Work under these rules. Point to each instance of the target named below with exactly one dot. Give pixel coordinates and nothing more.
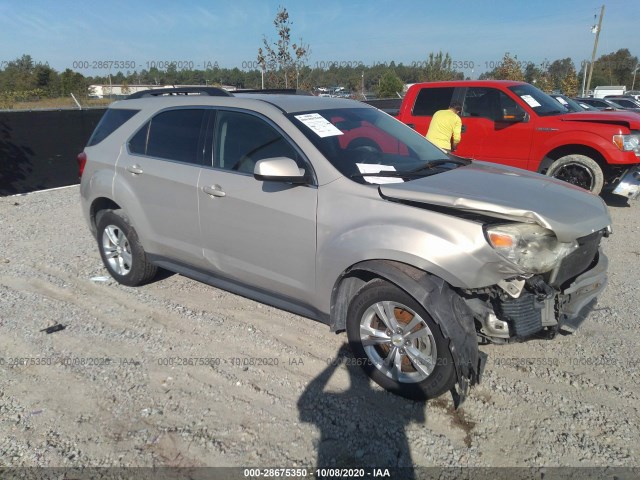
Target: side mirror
(279, 169)
(513, 117)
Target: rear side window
(173, 135)
(430, 100)
(112, 119)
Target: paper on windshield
(320, 125)
(533, 103)
(561, 100)
(369, 168)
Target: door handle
(135, 169)
(214, 191)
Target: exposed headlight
(533, 248)
(628, 143)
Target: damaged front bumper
(629, 185)
(513, 314)
(581, 293)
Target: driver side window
(242, 139)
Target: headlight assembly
(533, 248)
(628, 143)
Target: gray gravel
(177, 373)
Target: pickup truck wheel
(578, 170)
(121, 251)
(398, 344)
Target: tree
(615, 68)
(569, 84)
(390, 85)
(558, 70)
(439, 67)
(532, 73)
(282, 60)
(544, 83)
(509, 69)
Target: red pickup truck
(516, 124)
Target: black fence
(38, 149)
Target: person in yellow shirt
(446, 127)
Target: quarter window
(172, 135)
(430, 100)
(112, 119)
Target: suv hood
(630, 119)
(508, 193)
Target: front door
(256, 232)
(487, 136)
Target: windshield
(540, 102)
(369, 146)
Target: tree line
(284, 63)
(23, 79)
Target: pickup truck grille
(579, 260)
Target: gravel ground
(177, 373)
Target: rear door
(428, 101)
(158, 181)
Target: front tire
(398, 344)
(578, 170)
(121, 251)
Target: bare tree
(281, 61)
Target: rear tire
(398, 344)
(121, 251)
(578, 170)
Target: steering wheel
(366, 152)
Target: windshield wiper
(394, 174)
(439, 163)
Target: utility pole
(595, 47)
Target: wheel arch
(572, 149)
(98, 204)
(441, 301)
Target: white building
(111, 91)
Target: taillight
(82, 161)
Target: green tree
(281, 61)
(390, 85)
(532, 73)
(614, 68)
(569, 84)
(510, 69)
(558, 70)
(439, 66)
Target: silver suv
(334, 210)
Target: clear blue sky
(229, 32)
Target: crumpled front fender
(447, 309)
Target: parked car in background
(414, 253)
(599, 103)
(628, 103)
(633, 93)
(570, 104)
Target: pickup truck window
(430, 100)
(489, 103)
(540, 102)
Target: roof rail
(276, 91)
(157, 92)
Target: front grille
(579, 260)
(523, 314)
